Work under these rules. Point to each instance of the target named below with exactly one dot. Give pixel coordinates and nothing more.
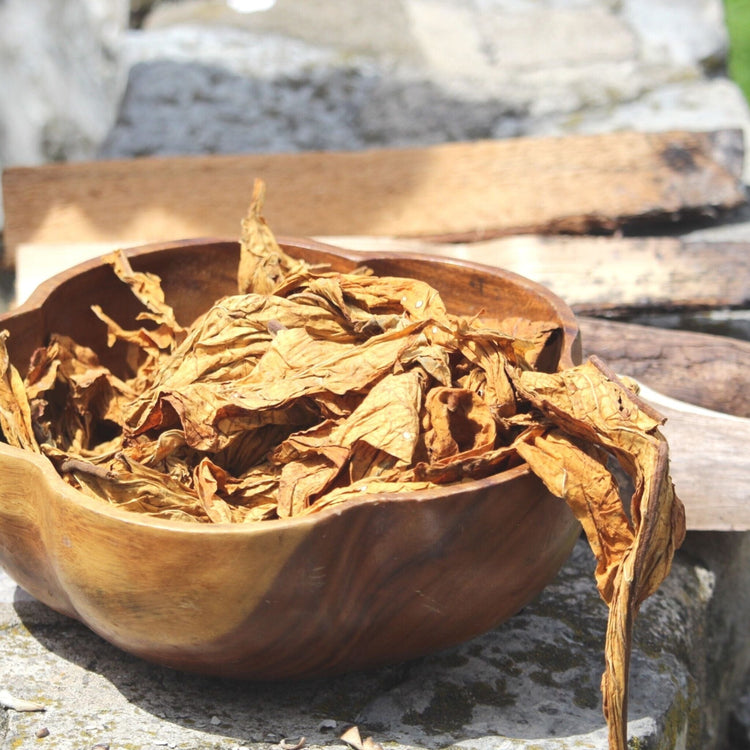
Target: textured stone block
(531, 683)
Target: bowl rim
(571, 332)
(55, 483)
(569, 351)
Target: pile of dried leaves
(310, 388)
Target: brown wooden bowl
(355, 586)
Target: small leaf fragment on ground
(19, 704)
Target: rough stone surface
(531, 683)
(205, 78)
(726, 638)
(739, 722)
(61, 77)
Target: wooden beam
(704, 370)
(699, 383)
(455, 191)
(598, 275)
(594, 275)
(709, 464)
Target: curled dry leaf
(595, 415)
(147, 288)
(19, 704)
(15, 410)
(353, 738)
(311, 388)
(263, 264)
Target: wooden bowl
(359, 585)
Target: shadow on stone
(535, 677)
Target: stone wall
(203, 77)
(62, 77)
(329, 75)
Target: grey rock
(724, 669)
(533, 682)
(739, 722)
(61, 78)
(692, 32)
(206, 79)
(371, 28)
(239, 51)
(173, 107)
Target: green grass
(738, 23)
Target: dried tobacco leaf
(387, 420)
(457, 420)
(263, 264)
(353, 738)
(596, 414)
(312, 388)
(147, 289)
(68, 388)
(486, 351)
(15, 410)
(208, 480)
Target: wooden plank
(708, 371)
(699, 383)
(35, 264)
(594, 275)
(709, 463)
(456, 191)
(597, 275)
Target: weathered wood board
(709, 464)
(597, 275)
(700, 384)
(709, 371)
(594, 275)
(456, 190)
